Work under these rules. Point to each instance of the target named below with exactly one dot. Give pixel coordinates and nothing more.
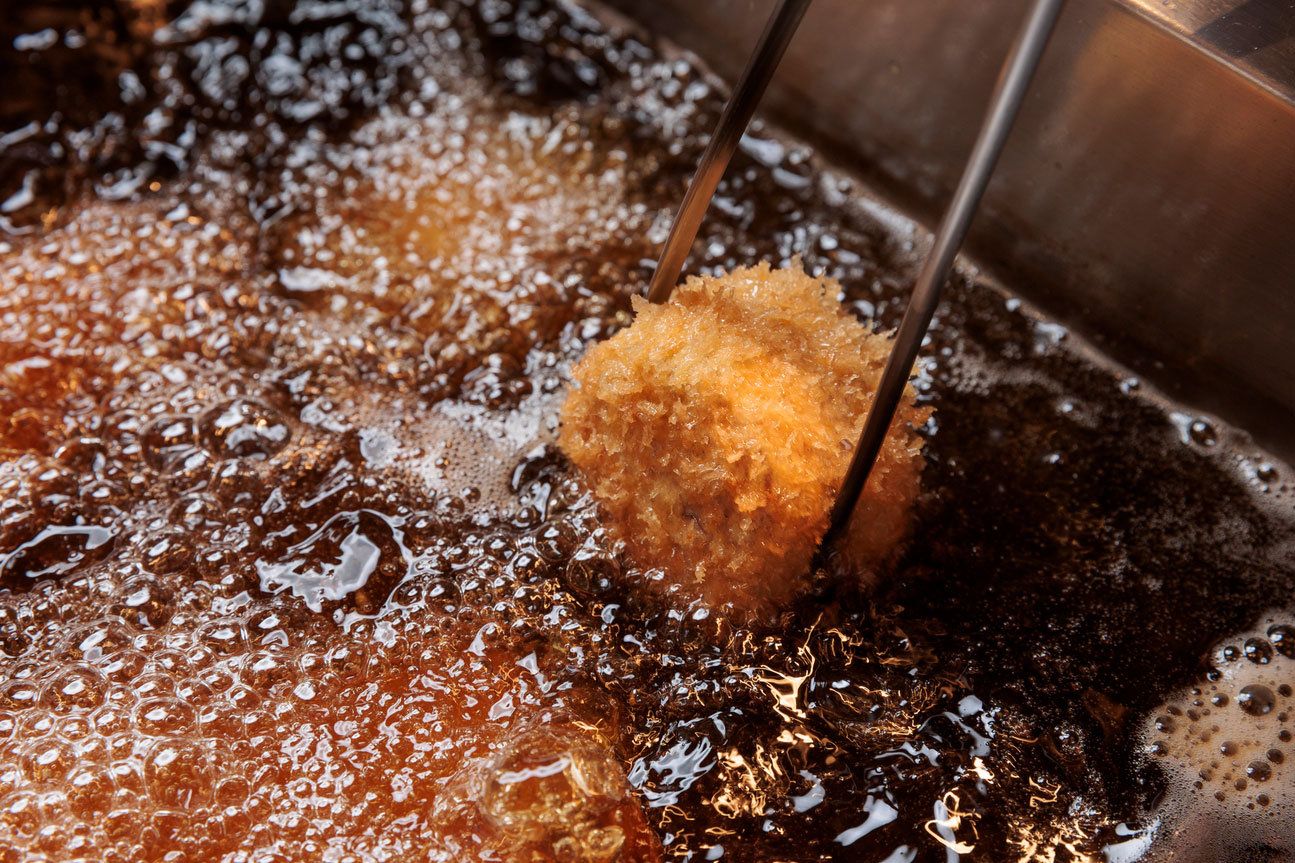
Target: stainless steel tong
(1014, 80)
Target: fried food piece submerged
(716, 431)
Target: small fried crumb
(716, 430)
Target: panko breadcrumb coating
(717, 428)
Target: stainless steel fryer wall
(1147, 195)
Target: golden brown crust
(716, 429)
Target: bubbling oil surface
(290, 567)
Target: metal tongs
(1013, 81)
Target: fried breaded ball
(716, 430)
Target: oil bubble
(1258, 651)
(168, 442)
(76, 687)
(1256, 699)
(244, 429)
(179, 773)
(1282, 637)
(1203, 433)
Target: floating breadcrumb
(717, 428)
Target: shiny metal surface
(1018, 71)
(723, 142)
(1257, 37)
(1147, 198)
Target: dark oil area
(290, 567)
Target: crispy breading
(717, 428)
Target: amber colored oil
(292, 569)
